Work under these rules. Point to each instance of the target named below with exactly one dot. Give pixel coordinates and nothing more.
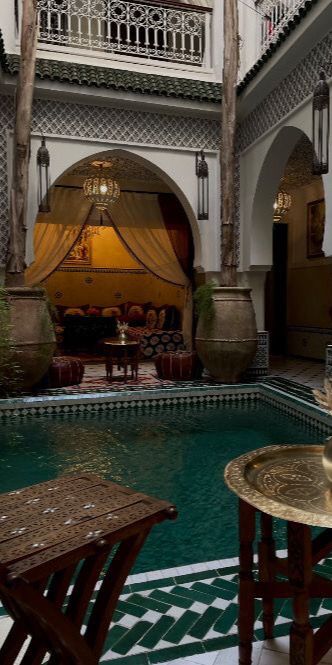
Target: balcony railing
(275, 16)
(167, 31)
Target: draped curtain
(53, 239)
(179, 230)
(139, 222)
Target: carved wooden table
(287, 482)
(123, 353)
(56, 539)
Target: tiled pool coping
(288, 397)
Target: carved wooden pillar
(300, 576)
(246, 583)
(266, 552)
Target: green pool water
(176, 453)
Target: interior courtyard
(165, 332)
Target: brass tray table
(57, 539)
(286, 482)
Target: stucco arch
(267, 186)
(158, 162)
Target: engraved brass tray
(284, 481)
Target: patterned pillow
(136, 312)
(74, 311)
(94, 311)
(168, 318)
(151, 319)
(111, 311)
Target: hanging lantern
(321, 126)
(100, 188)
(43, 164)
(202, 172)
(281, 206)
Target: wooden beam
(227, 152)
(21, 154)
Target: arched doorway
(297, 295)
(95, 266)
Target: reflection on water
(175, 453)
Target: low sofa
(156, 328)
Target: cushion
(111, 311)
(62, 309)
(151, 318)
(178, 365)
(93, 311)
(135, 312)
(168, 318)
(74, 311)
(65, 371)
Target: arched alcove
(173, 172)
(266, 189)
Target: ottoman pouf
(65, 371)
(178, 365)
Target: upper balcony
(165, 32)
(275, 18)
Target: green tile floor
(187, 611)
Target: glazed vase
(32, 332)
(226, 342)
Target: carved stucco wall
(100, 123)
(286, 96)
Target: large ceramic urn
(32, 332)
(226, 342)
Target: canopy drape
(53, 239)
(138, 220)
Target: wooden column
(21, 146)
(227, 152)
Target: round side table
(122, 353)
(286, 482)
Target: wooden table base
(57, 540)
(302, 584)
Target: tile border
(110, 400)
(277, 396)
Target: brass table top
(285, 481)
(115, 341)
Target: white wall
(261, 167)
(249, 31)
(175, 166)
(7, 25)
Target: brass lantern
(281, 206)
(321, 126)
(43, 164)
(99, 187)
(202, 172)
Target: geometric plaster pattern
(298, 171)
(121, 169)
(290, 92)
(101, 123)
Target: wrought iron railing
(275, 17)
(162, 31)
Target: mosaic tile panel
(260, 365)
(328, 362)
